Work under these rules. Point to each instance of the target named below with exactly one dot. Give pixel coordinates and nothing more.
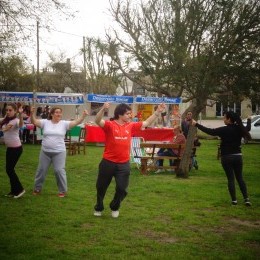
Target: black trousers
(233, 165)
(12, 157)
(108, 170)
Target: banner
(11, 97)
(43, 98)
(158, 100)
(59, 98)
(110, 99)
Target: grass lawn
(162, 217)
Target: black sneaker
(234, 202)
(9, 195)
(247, 202)
(19, 195)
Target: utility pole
(84, 63)
(38, 65)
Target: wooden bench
(152, 156)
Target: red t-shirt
(118, 140)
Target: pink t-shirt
(11, 137)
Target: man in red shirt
(116, 156)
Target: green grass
(162, 217)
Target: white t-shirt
(53, 135)
(11, 137)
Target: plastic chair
(136, 151)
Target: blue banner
(16, 96)
(158, 100)
(42, 98)
(59, 98)
(110, 99)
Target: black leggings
(233, 165)
(108, 170)
(12, 156)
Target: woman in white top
(10, 126)
(53, 148)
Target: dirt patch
(161, 237)
(246, 223)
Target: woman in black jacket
(230, 147)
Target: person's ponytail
(239, 123)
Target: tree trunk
(184, 168)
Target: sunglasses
(10, 110)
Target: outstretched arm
(34, 121)
(79, 120)
(20, 110)
(155, 115)
(99, 117)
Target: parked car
(255, 128)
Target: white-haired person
(178, 138)
(53, 150)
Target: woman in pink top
(10, 126)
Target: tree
(15, 75)
(100, 69)
(196, 49)
(18, 19)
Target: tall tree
(196, 49)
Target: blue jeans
(165, 152)
(233, 165)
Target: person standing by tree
(185, 124)
(230, 147)
(116, 156)
(10, 126)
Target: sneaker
(247, 202)
(36, 192)
(97, 213)
(9, 195)
(115, 213)
(19, 195)
(61, 194)
(159, 170)
(234, 202)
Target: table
(95, 134)
(155, 134)
(153, 156)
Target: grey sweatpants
(58, 161)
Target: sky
(67, 36)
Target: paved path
(212, 123)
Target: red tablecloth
(155, 134)
(95, 134)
